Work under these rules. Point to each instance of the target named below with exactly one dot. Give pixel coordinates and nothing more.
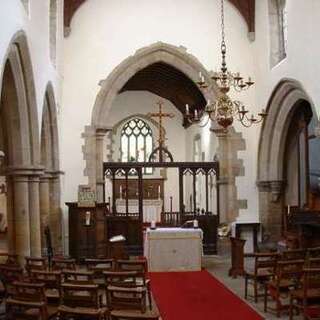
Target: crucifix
(161, 139)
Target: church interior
(159, 159)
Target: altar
(152, 208)
(173, 249)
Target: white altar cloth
(151, 208)
(173, 249)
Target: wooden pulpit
(237, 257)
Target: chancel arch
(166, 63)
(50, 181)
(20, 145)
(283, 159)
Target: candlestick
(159, 192)
(120, 191)
(187, 109)
(288, 209)
(195, 113)
(88, 215)
(195, 224)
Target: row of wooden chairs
(279, 274)
(70, 284)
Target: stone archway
(20, 142)
(177, 57)
(50, 210)
(281, 106)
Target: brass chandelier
(224, 110)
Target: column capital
(25, 171)
(274, 186)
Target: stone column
(271, 207)
(55, 215)
(34, 207)
(10, 216)
(230, 167)
(100, 134)
(21, 216)
(44, 206)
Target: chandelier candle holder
(224, 110)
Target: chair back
(291, 270)
(77, 277)
(76, 295)
(294, 254)
(126, 298)
(26, 291)
(121, 278)
(313, 262)
(313, 252)
(51, 279)
(96, 264)
(311, 280)
(267, 260)
(63, 264)
(35, 263)
(140, 266)
(9, 274)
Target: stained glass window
(136, 142)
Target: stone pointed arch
(19, 123)
(280, 108)
(19, 60)
(49, 131)
(284, 101)
(174, 56)
(177, 57)
(50, 191)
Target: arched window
(278, 31)
(136, 142)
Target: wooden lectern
(237, 257)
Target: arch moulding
(177, 57)
(282, 104)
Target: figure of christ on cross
(161, 139)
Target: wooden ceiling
(246, 8)
(169, 83)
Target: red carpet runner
(197, 296)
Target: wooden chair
(126, 298)
(98, 266)
(10, 274)
(78, 277)
(140, 266)
(294, 254)
(103, 263)
(264, 269)
(121, 278)
(81, 302)
(313, 252)
(307, 298)
(63, 264)
(35, 263)
(287, 277)
(27, 302)
(52, 282)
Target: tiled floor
(219, 266)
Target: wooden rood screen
(131, 225)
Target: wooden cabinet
(87, 237)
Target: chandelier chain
(223, 43)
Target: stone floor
(219, 266)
